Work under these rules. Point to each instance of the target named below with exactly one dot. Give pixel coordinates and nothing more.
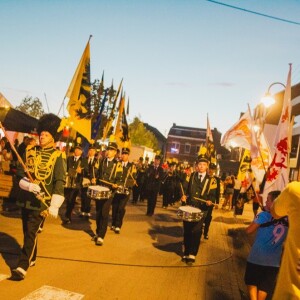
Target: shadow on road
(9, 249)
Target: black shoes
(17, 274)
(189, 260)
(67, 221)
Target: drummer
(200, 186)
(91, 165)
(121, 197)
(109, 175)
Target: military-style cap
(125, 150)
(112, 146)
(78, 147)
(157, 157)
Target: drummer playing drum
(201, 194)
(110, 175)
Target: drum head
(189, 209)
(99, 188)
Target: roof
(190, 132)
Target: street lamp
(262, 109)
(267, 100)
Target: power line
(255, 12)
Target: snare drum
(189, 213)
(70, 182)
(98, 192)
(122, 190)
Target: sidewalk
(143, 262)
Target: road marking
(47, 292)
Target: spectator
(264, 259)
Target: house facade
(183, 143)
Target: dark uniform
(90, 171)
(110, 170)
(47, 167)
(170, 187)
(137, 189)
(73, 183)
(155, 175)
(123, 193)
(208, 217)
(203, 187)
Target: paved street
(143, 262)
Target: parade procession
(97, 204)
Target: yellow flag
(79, 94)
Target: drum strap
(112, 171)
(204, 187)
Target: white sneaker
(99, 241)
(117, 230)
(88, 215)
(112, 228)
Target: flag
(122, 131)
(278, 172)
(112, 113)
(97, 123)
(259, 150)
(244, 170)
(79, 95)
(239, 135)
(211, 152)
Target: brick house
(183, 143)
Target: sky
(180, 60)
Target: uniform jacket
(48, 168)
(205, 189)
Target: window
(187, 148)
(175, 146)
(197, 149)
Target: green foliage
(32, 107)
(140, 136)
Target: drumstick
(181, 188)
(203, 200)
(107, 182)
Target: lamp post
(262, 109)
(268, 100)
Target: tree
(140, 136)
(31, 106)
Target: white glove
(26, 185)
(55, 204)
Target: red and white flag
(278, 173)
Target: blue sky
(180, 60)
